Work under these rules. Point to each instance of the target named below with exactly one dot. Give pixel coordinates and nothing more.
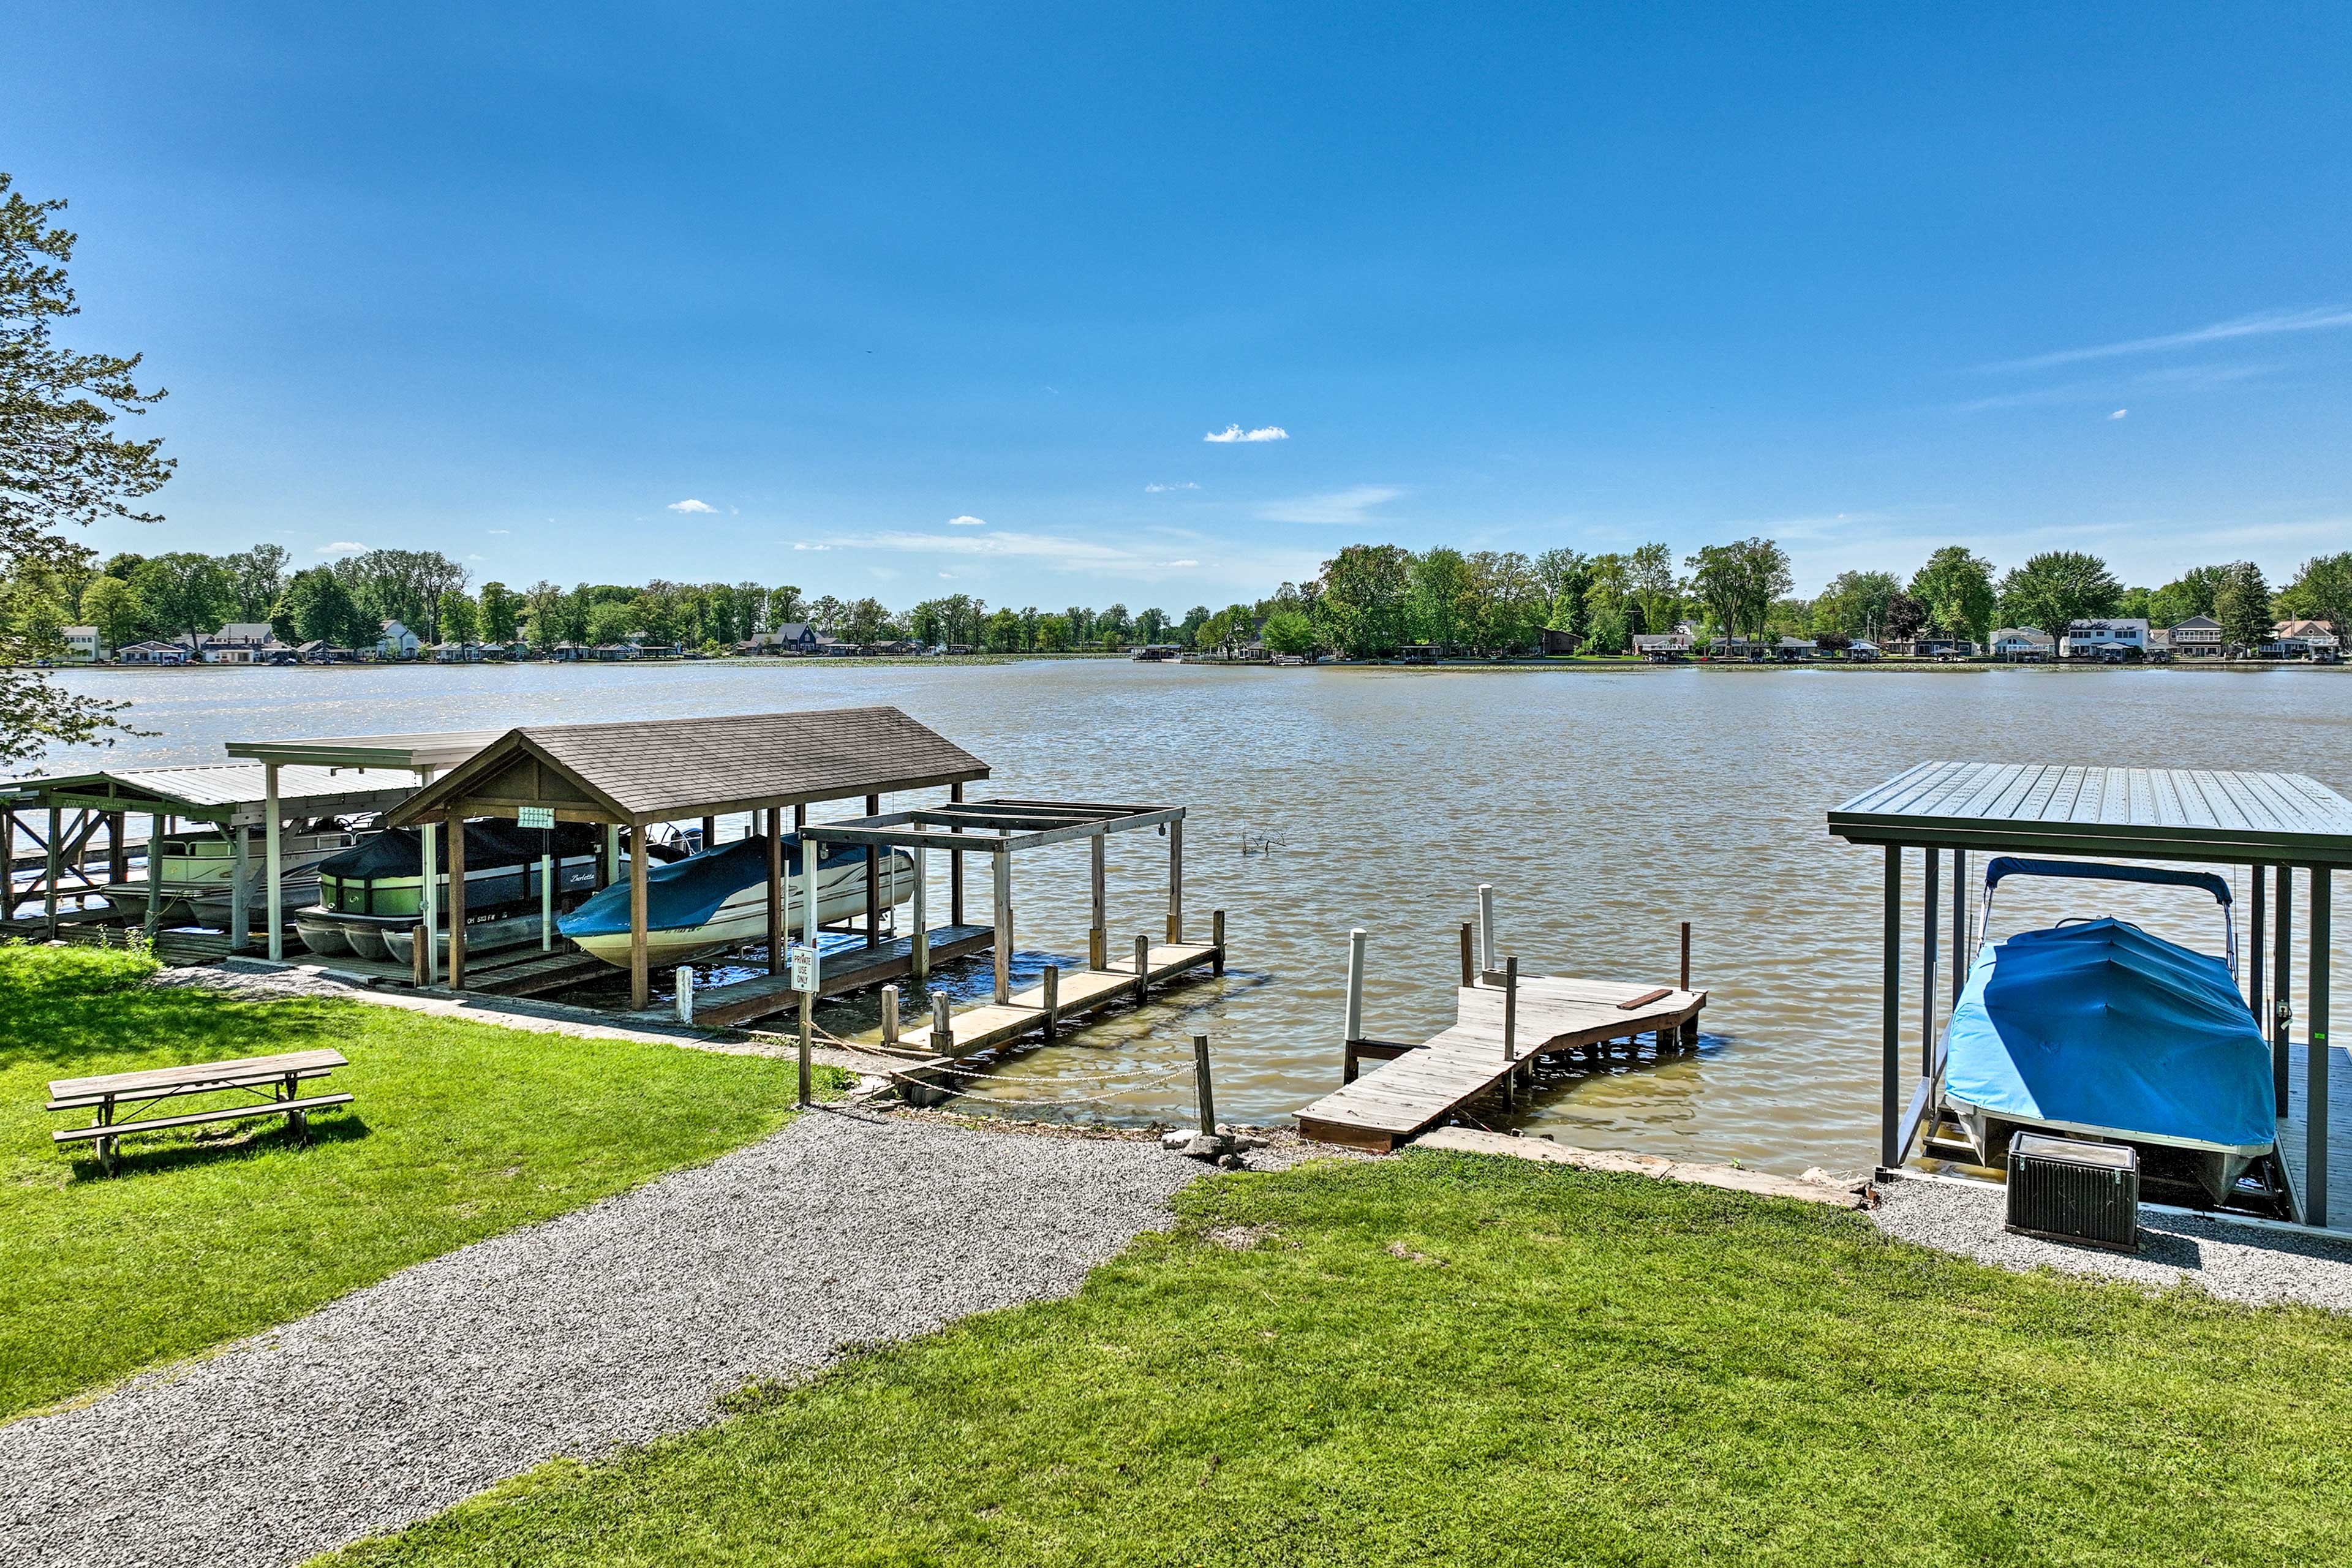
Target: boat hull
(743, 917)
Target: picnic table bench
(279, 1079)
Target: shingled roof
(656, 770)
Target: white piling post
(889, 1015)
(1486, 928)
(547, 903)
(943, 1025)
(686, 994)
(1356, 984)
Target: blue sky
(1870, 281)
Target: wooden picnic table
(278, 1079)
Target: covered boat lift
(635, 774)
(2269, 823)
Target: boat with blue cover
(2095, 1028)
(718, 900)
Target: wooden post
(640, 980)
(1511, 1008)
(1098, 924)
(711, 833)
(1890, 1012)
(457, 904)
(1959, 924)
(684, 983)
(118, 853)
(1685, 984)
(1927, 956)
(1001, 884)
(154, 874)
(775, 891)
(240, 881)
(273, 858)
(889, 1015)
(1175, 880)
(1355, 988)
(1469, 962)
(2315, 1063)
(919, 949)
(1217, 940)
(873, 880)
(1050, 984)
(2282, 985)
(428, 897)
(1201, 1086)
(418, 943)
(53, 867)
(955, 865)
(1486, 928)
(2254, 951)
(943, 1025)
(1142, 968)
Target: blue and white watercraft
(718, 900)
(2093, 1029)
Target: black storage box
(2070, 1191)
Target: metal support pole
(873, 880)
(1890, 1012)
(273, 862)
(1927, 957)
(810, 912)
(1486, 928)
(2315, 1061)
(1355, 986)
(919, 953)
(1175, 880)
(547, 903)
(2282, 985)
(775, 891)
(428, 896)
(1001, 883)
(1201, 1084)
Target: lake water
(1604, 806)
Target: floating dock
(1493, 1047)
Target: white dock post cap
(1485, 927)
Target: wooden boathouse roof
(2160, 814)
(663, 770)
(232, 794)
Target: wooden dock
(2293, 1133)
(1080, 992)
(844, 969)
(1417, 1087)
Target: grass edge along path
(1462, 1358)
(459, 1131)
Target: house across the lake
(2313, 640)
(2104, 640)
(1659, 647)
(2198, 636)
(2021, 644)
(84, 646)
(792, 637)
(397, 641)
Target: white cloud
(2119, 413)
(343, 547)
(500, 530)
(966, 520)
(690, 504)
(1180, 564)
(469, 558)
(1348, 507)
(1236, 432)
(948, 576)
(804, 544)
(2262, 324)
(1155, 489)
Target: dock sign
(804, 964)
(535, 817)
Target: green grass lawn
(458, 1131)
(1466, 1359)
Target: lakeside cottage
(397, 641)
(2107, 639)
(2313, 640)
(2022, 645)
(84, 646)
(2198, 636)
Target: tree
(2242, 604)
(114, 607)
(1956, 585)
(2136, 605)
(1189, 633)
(61, 461)
(460, 618)
(1505, 606)
(2322, 591)
(501, 613)
(1649, 580)
(1855, 604)
(1440, 587)
(1005, 632)
(318, 607)
(1609, 609)
(1054, 634)
(256, 576)
(2056, 588)
(1290, 631)
(1563, 575)
(1150, 625)
(612, 621)
(2189, 594)
(1906, 617)
(1362, 611)
(38, 622)
(1738, 581)
(188, 593)
(866, 619)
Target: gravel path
(611, 1324)
(2237, 1262)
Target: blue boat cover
(2100, 1026)
(686, 893)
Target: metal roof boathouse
(2273, 823)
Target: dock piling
(919, 953)
(1485, 926)
(1217, 941)
(1003, 885)
(1685, 983)
(418, 975)
(889, 1015)
(1051, 982)
(1469, 969)
(1201, 1084)
(686, 994)
(1356, 940)
(1142, 968)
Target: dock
(2295, 1130)
(1077, 993)
(850, 968)
(1492, 1048)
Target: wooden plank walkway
(844, 969)
(2293, 1131)
(1425, 1084)
(1082, 991)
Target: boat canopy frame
(2269, 823)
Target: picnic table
(277, 1080)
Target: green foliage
(1290, 631)
(1737, 582)
(1956, 585)
(2190, 594)
(256, 576)
(1362, 611)
(1438, 596)
(1462, 1359)
(459, 1131)
(2242, 604)
(115, 608)
(460, 618)
(1856, 604)
(2321, 591)
(502, 614)
(1005, 632)
(2056, 587)
(317, 607)
(187, 594)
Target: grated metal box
(2070, 1191)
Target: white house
(397, 641)
(2198, 636)
(240, 642)
(84, 645)
(2093, 640)
(2314, 640)
(2021, 645)
(156, 651)
(1662, 646)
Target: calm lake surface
(1604, 806)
